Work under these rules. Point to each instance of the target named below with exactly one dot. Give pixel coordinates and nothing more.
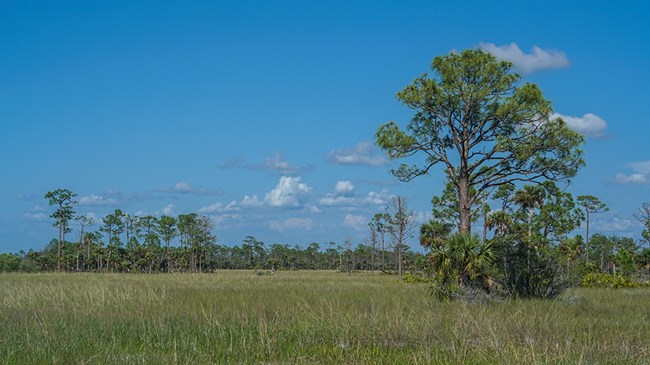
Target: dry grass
(304, 317)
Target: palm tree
(464, 259)
(433, 233)
(500, 221)
(530, 197)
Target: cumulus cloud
(364, 153)
(344, 187)
(167, 210)
(292, 224)
(251, 202)
(356, 222)
(219, 207)
(640, 174)
(539, 59)
(589, 125)
(97, 200)
(288, 193)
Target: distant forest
(120, 242)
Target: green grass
(237, 317)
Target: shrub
(410, 278)
(602, 280)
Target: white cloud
(182, 187)
(219, 219)
(251, 202)
(539, 59)
(312, 209)
(640, 174)
(350, 200)
(97, 200)
(274, 163)
(185, 188)
(168, 210)
(589, 125)
(288, 193)
(278, 164)
(38, 208)
(292, 224)
(422, 217)
(343, 187)
(364, 153)
(613, 225)
(357, 222)
(219, 207)
(641, 166)
(635, 178)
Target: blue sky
(261, 114)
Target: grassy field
(304, 318)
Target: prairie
(305, 317)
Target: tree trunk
(587, 238)
(167, 254)
(399, 262)
(383, 251)
(58, 253)
(465, 206)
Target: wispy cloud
(613, 225)
(344, 195)
(589, 125)
(539, 59)
(292, 224)
(95, 200)
(220, 207)
(182, 187)
(167, 210)
(364, 153)
(36, 216)
(640, 174)
(356, 222)
(275, 164)
(37, 213)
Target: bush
(410, 278)
(9, 262)
(532, 274)
(601, 280)
(445, 288)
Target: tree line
(120, 242)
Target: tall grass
(234, 317)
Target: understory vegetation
(304, 317)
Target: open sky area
(261, 114)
